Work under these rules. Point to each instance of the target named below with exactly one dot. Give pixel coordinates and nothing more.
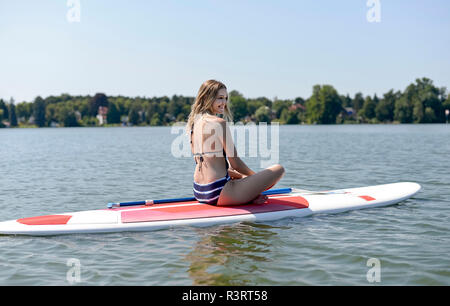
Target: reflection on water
(72, 169)
(228, 255)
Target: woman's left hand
(234, 175)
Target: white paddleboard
(161, 216)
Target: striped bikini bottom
(209, 193)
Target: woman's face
(218, 106)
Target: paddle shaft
(162, 201)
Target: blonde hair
(206, 96)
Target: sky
(270, 48)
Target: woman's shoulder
(214, 123)
(214, 119)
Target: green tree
(421, 102)
(299, 100)
(113, 115)
(358, 102)
(24, 110)
(368, 109)
(290, 116)
(432, 99)
(39, 111)
(4, 107)
(324, 105)
(235, 93)
(151, 109)
(51, 113)
(262, 114)
(164, 116)
(429, 115)
(155, 120)
(279, 106)
(83, 107)
(347, 101)
(133, 115)
(12, 114)
(403, 110)
(418, 110)
(99, 99)
(238, 106)
(67, 117)
(253, 105)
(186, 111)
(175, 105)
(446, 104)
(384, 111)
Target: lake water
(45, 171)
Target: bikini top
(203, 153)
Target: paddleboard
(161, 216)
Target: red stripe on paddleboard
(45, 220)
(367, 198)
(209, 211)
(166, 204)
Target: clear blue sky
(259, 47)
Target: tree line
(420, 102)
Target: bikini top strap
(202, 153)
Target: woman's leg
(242, 191)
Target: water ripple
(50, 174)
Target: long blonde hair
(206, 96)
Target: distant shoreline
(421, 102)
(281, 124)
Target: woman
(215, 181)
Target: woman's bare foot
(261, 199)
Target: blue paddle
(162, 201)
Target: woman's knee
(278, 169)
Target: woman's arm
(239, 166)
(234, 175)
